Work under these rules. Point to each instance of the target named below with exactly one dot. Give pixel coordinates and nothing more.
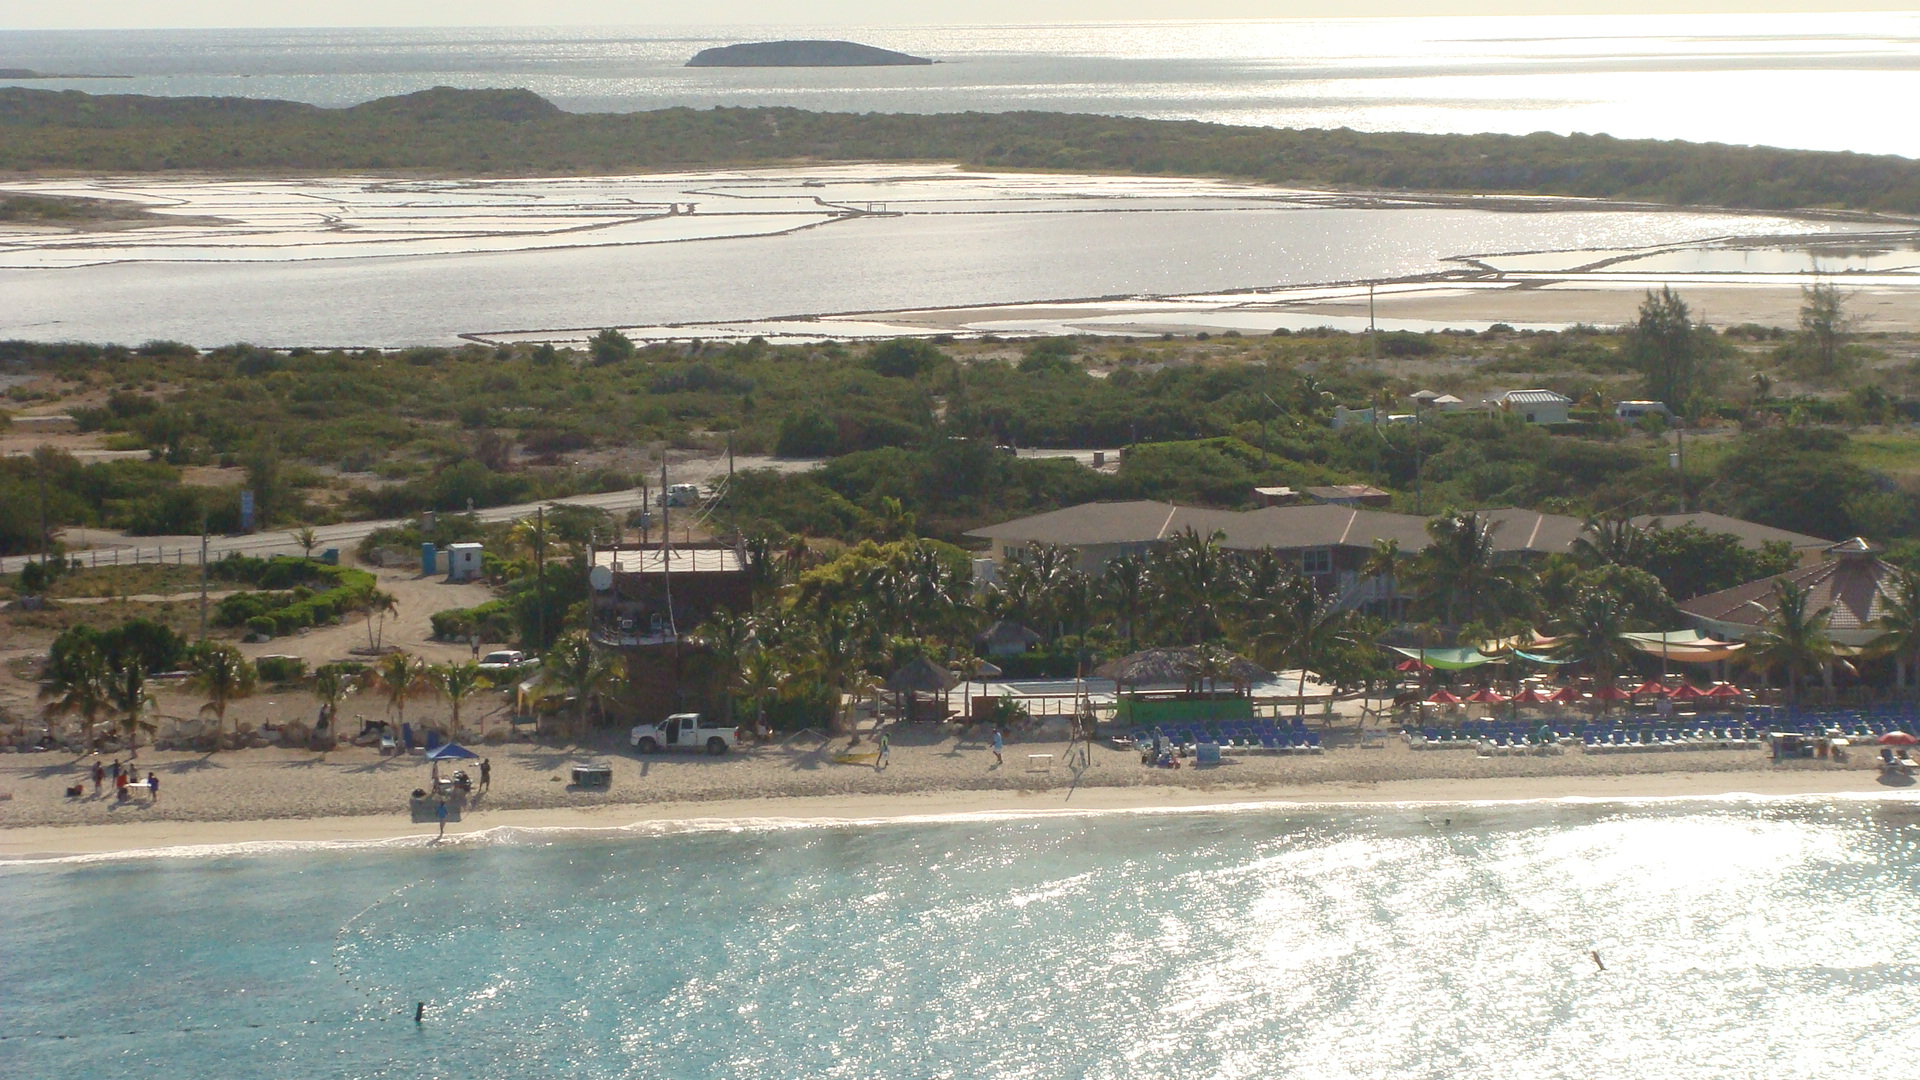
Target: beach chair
(1313, 742)
(386, 743)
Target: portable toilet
(429, 557)
(463, 562)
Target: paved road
(186, 549)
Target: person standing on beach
(440, 811)
(119, 784)
(882, 761)
(99, 777)
(486, 774)
(153, 787)
(114, 771)
(998, 745)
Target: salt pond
(379, 261)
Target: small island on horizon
(803, 54)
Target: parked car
(684, 731)
(503, 660)
(683, 495)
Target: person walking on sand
(882, 761)
(114, 771)
(440, 811)
(998, 745)
(153, 787)
(99, 777)
(486, 774)
(120, 786)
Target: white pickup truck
(684, 731)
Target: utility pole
(203, 573)
(729, 456)
(1680, 461)
(1419, 490)
(46, 535)
(540, 572)
(666, 537)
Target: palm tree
(306, 538)
(1899, 624)
(457, 683)
(127, 691)
(1196, 586)
(1614, 540)
(1794, 638)
(838, 657)
(380, 604)
(761, 678)
(1592, 626)
(1457, 575)
(331, 683)
(223, 675)
(1126, 592)
(398, 677)
(727, 638)
(1307, 628)
(574, 668)
(77, 684)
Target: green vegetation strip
(516, 131)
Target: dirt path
(416, 598)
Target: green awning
(1447, 659)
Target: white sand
(290, 795)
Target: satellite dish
(601, 578)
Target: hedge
(493, 621)
(274, 614)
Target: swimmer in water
(1595, 954)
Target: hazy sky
(22, 14)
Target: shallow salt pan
(378, 261)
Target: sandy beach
(294, 796)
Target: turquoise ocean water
(1740, 940)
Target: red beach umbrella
(1566, 695)
(1412, 665)
(1529, 696)
(1725, 692)
(1441, 697)
(1610, 692)
(1897, 738)
(1688, 692)
(1651, 686)
(1487, 695)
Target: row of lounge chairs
(1693, 737)
(1242, 736)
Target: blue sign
(246, 511)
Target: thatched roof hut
(921, 676)
(1006, 638)
(1184, 666)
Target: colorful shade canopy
(1487, 695)
(1441, 697)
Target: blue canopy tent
(448, 751)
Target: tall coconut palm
(379, 606)
(77, 684)
(1307, 627)
(1794, 637)
(457, 683)
(726, 639)
(1899, 624)
(400, 677)
(1457, 576)
(1611, 540)
(331, 684)
(1126, 594)
(127, 690)
(574, 668)
(839, 657)
(761, 677)
(223, 675)
(1592, 626)
(1196, 586)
